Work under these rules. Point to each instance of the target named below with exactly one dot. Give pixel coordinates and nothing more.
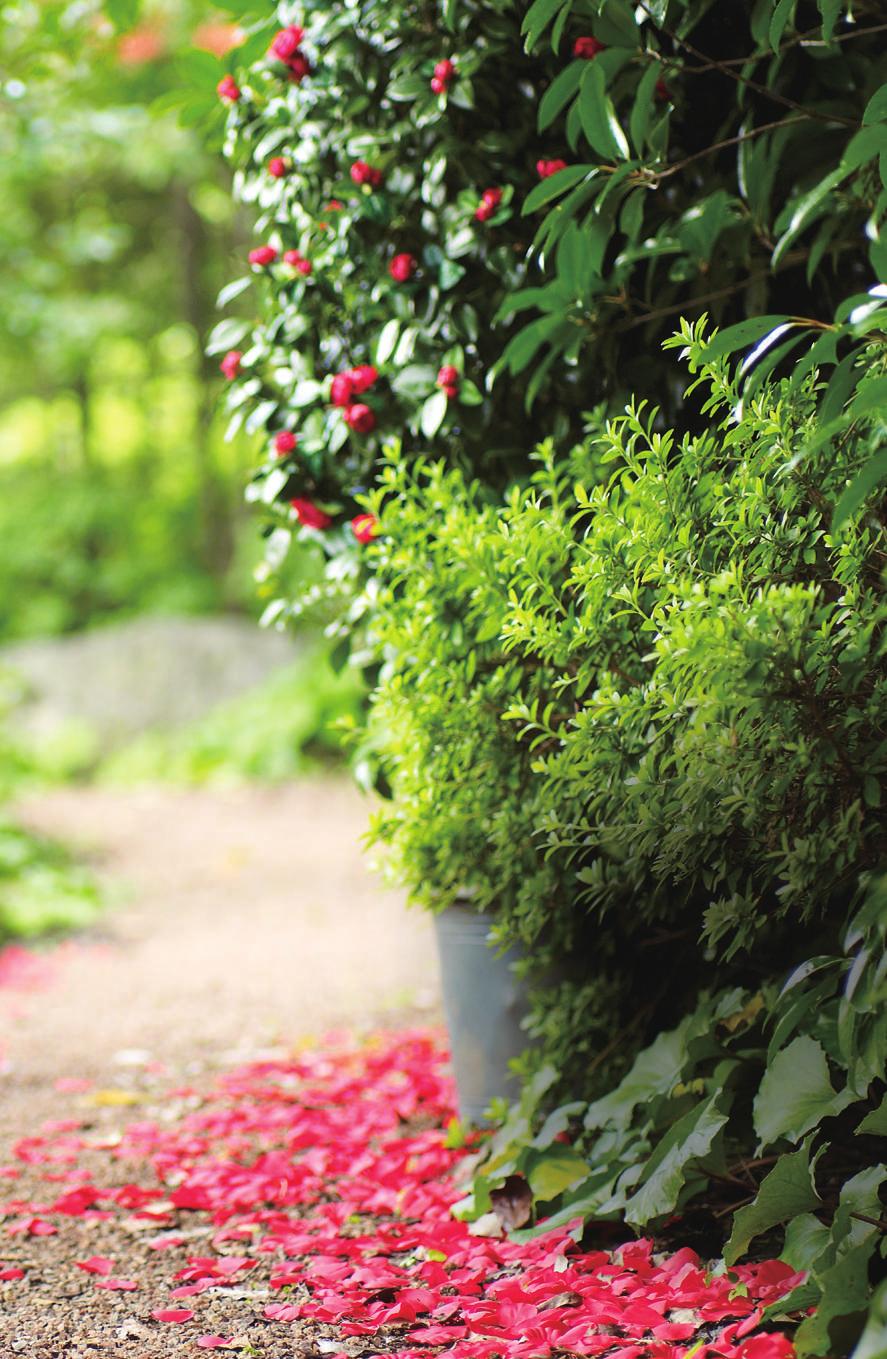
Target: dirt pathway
(243, 917)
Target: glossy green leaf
(785, 1191)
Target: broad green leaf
(841, 1312)
(655, 1071)
(830, 11)
(433, 414)
(872, 396)
(537, 19)
(232, 290)
(228, 334)
(782, 17)
(616, 24)
(561, 89)
(804, 209)
(414, 381)
(556, 184)
(785, 1191)
(806, 1238)
(550, 1172)
(387, 341)
(876, 108)
(743, 333)
(875, 1123)
(872, 1343)
(795, 1093)
(598, 117)
(687, 1143)
(642, 108)
(872, 475)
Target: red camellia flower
(228, 89)
(299, 67)
(362, 173)
(286, 42)
(363, 378)
(365, 528)
(284, 442)
(402, 268)
(587, 47)
(489, 202)
(448, 380)
(230, 364)
(264, 255)
(296, 260)
(309, 514)
(546, 168)
(342, 390)
(277, 167)
(360, 418)
(444, 72)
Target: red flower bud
(263, 256)
(277, 167)
(448, 376)
(365, 527)
(360, 418)
(363, 378)
(489, 203)
(438, 86)
(342, 389)
(335, 206)
(299, 67)
(661, 90)
(310, 514)
(402, 268)
(451, 390)
(587, 48)
(445, 70)
(228, 89)
(286, 42)
(546, 168)
(230, 364)
(296, 260)
(362, 173)
(284, 442)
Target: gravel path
(247, 921)
(242, 915)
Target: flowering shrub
(667, 163)
(383, 155)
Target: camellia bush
(475, 221)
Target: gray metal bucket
(484, 1004)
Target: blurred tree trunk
(216, 526)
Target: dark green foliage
(722, 157)
(765, 1107)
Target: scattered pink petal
(9, 1275)
(174, 1315)
(213, 1342)
(72, 1085)
(96, 1264)
(117, 1285)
